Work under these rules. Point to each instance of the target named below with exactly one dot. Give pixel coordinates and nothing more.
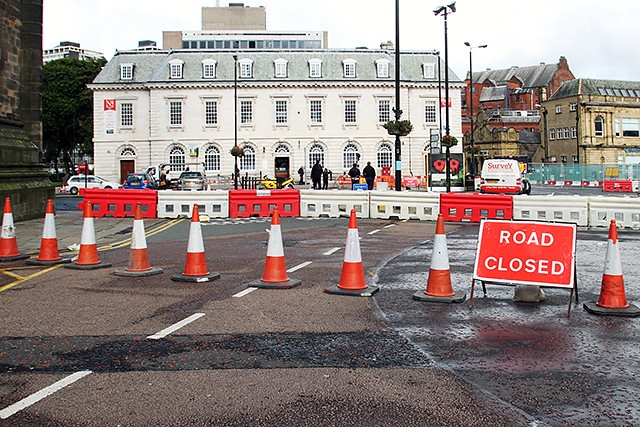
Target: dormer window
(315, 68)
(428, 71)
(176, 66)
(280, 65)
(246, 68)
(382, 68)
(209, 69)
(126, 71)
(349, 68)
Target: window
(566, 133)
(211, 112)
(573, 106)
(350, 111)
(316, 152)
(175, 67)
(349, 68)
(176, 156)
(630, 127)
(126, 71)
(430, 112)
(385, 156)
(281, 112)
(599, 126)
(382, 68)
(428, 71)
(212, 159)
(175, 113)
(617, 126)
(246, 112)
(209, 69)
(315, 68)
(315, 108)
(248, 161)
(246, 68)
(349, 156)
(280, 68)
(574, 132)
(384, 111)
(552, 134)
(126, 114)
(558, 109)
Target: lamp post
(445, 10)
(471, 141)
(235, 119)
(397, 110)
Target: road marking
(298, 267)
(22, 279)
(330, 251)
(389, 226)
(163, 333)
(36, 397)
(373, 232)
(243, 293)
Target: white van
(503, 176)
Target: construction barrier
(404, 205)
(176, 204)
(334, 203)
(570, 209)
(458, 207)
(260, 203)
(120, 203)
(624, 210)
(617, 186)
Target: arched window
(282, 149)
(349, 156)
(127, 152)
(385, 156)
(599, 126)
(212, 159)
(316, 152)
(176, 155)
(248, 161)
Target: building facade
(285, 108)
(69, 50)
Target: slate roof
(493, 93)
(531, 76)
(595, 86)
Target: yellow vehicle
(275, 183)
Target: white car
(76, 182)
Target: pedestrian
(301, 173)
(354, 173)
(325, 179)
(369, 174)
(316, 175)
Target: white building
(293, 107)
(69, 50)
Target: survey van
(503, 176)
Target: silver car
(192, 181)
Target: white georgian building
(293, 107)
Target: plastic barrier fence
(617, 186)
(404, 205)
(569, 209)
(333, 203)
(260, 203)
(456, 207)
(120, 203)
(176, 204)
(625, 210)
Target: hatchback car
(76, 182)
(140, 181)
(191, 180)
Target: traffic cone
(352, 279)
(139, 259)
(8, 242)
(612, 301)
(49, 254)
(275, 270)
(195, 269)
(88, 255)
(439, 283)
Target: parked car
(76, 182)
(140, 181)
(192, 180)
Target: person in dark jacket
(369, 174)
(301, 173)
(325, 179)
(354, 173)
(316, 175)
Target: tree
(67, 108)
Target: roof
(531, 76)
(493, 93)
(620, 88)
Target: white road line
(330, 251)
(36, 397)
(373, 232)
(389, 226)
(163, 333)
(298, 267)
(243, 293)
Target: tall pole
(235, 119)
(397, 110)
(471, 140)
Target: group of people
(319, 174)
(369, 174)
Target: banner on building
(109, 115)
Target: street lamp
(445, 10)
(235, 119)
(397, 110)
(482, 46)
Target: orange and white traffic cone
(439, 283)
(139, 260)
(88, 255)
(49, 254)
(195, 269)
(612, 301)
(8, 242)
(352, 279)
(275, 269)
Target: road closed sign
(523, 252)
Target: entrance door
(126, 167)
(282, 167)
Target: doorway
(282, 167)
(126, 167)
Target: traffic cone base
(139, 260)
(35, 261)
(456, 297)
(195, 279)
(366, 292)
(288, 284)
(13, 258)
(631, 311)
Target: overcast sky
(600, 39)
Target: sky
(599, 42)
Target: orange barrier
(617, 186)
(260, 203)
(457, 207)
(120, 203)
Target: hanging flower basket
(237, 151)
(474, 150)
(449, 141)
(398, 127)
